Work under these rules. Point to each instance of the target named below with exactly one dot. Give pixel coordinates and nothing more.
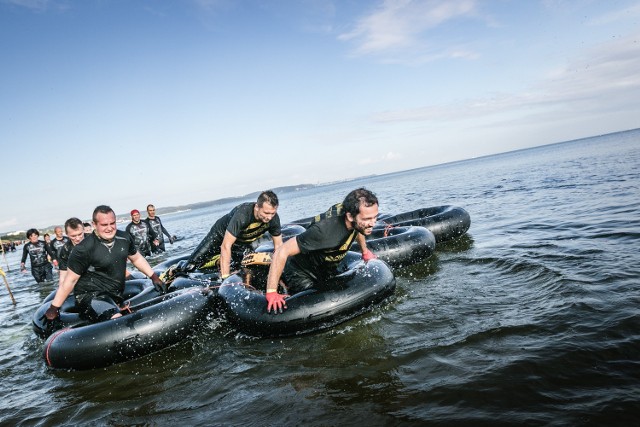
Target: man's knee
(97, 307)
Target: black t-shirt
(242, 224)
(324, 244)
(64, 253)
(101, 268)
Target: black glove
(158, 284)
(172, 239)
(52, 312)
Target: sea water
(531, 318)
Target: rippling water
(532, 318)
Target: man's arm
(52, 252)
(63, 273)
(225, 254)
(164, 230)
(141, 264)
(65, 288)
(278, 261)
(366, 253)
(277, 242)
(25, 252)
(362, 242)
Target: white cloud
(604, 78)
(631, 12)
(401, 24)
(30, 4)
(39, 5)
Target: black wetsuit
(143, 236)
(41, 268)
(102, 268)
(156, 225)
(322, 246)
(57, 245)
(242, 224)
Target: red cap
(135, 211)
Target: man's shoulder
(241, 208)
(120, 234)
(86, 244)
(327, 226)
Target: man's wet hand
(368, 255)
(275, 301)
(52, 313)
(160, 286)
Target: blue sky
(174, 102)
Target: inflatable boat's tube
(357, 290)
(155, 324)
(445, 222)
(400, 246)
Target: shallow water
(532, 318)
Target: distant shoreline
(13, 235)
(169, 210)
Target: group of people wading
(96, 265)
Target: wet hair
(150, 206)
(103, 209)
(87, 224)
(357, 198)
(73, 224)
(32, 231)
(268, 197)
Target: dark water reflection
(532, 318)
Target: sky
(127, 103)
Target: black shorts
(297, 279)
(98, 306)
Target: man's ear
(350, 217)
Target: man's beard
(361, 228)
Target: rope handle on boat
(126, 308)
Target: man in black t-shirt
(75, 234)
(312, 257)
(230, 237)
(96, 270)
